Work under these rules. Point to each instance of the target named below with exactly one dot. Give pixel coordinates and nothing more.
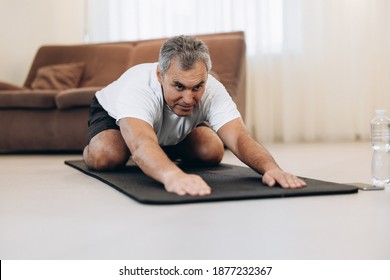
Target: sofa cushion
(38, 99)
(58, 76)
(228, 52)
(103, 63)
(146, 52)
(77, 97)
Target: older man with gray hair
(174, 109)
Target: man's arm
(148, 155)
(236, 137)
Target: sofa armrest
(8, 86)
(76, 97)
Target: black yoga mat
(228, 182)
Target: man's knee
(212, 153)
(105, 159)
(203, 146)
(106, 150)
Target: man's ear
(159, 76)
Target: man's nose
(188, 96)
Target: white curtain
(317, 69)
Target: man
(156, 112)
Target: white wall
(25, 25)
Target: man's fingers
(189, 185)
(268, 180)
(291, 181)
(196, 190)
(284, 179)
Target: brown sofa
(50, 111)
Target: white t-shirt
(138, 94)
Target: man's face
(183, 89)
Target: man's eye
(197, 88)
(179, 87)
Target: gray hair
(187, 50)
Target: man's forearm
(142, 142)
(145, 150)
(154, 162)
(236, 137)
(238, 140)
(255, 155)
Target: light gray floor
(51, 211)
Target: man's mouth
(185, 107)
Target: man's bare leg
(106, 150)
(202, 147)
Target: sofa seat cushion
(58, 76)
(38, 99)
(77, 97)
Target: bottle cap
(380, 112)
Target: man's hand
(191, 184)
(236, 137)
(286, 180)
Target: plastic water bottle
(380, 143)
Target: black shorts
(99, 119)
